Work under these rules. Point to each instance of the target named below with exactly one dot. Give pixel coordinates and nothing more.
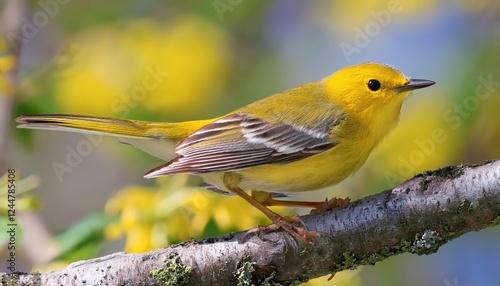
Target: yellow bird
(302, 139)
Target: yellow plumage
(302, 139)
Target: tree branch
(418, 216)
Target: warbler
(302, 139)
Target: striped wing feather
(240, 141)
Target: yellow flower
(139, 239)
(132, 204)
(8, 63)
(176, 68)
(151, 218)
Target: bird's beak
(415, 84)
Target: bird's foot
(293, 225)
(330, 204)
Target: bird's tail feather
(162, 136)
(89, 124)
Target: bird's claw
(330, 204)
(292, 225)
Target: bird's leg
(267, 200)
(231, 180)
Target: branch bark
(418, 216)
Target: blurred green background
(182, 60)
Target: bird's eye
(374, 84)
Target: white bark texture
(418, 216)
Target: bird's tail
(89, 124)
(164, 135)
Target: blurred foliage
(83, 240)
(161, 69)
(8, 63)
(24, 200)
(428, 148)
(172, 212)
(337, 19)
(181, 60)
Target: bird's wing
(240, 141)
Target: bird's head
(371, 86)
